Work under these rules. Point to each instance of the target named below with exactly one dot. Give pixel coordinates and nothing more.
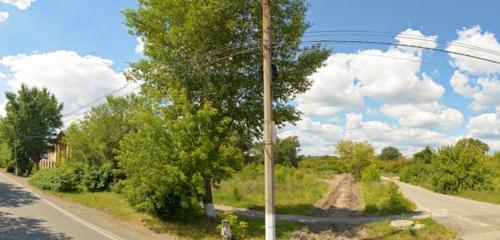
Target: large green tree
(389, 153)
(211, 49)
(32, 122)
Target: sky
(388, 95)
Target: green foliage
(325, 167)
(238, 227)
(389, 153)
(370, 174)
(296, 190)
(285, 151)
(385, 199)
(425, 155)
(32, 120)
(99, 178)
(461, 167)
(173, 150)
(356, 155)
(94, 140)
(213, 53)
(66, 178)
(416, 172)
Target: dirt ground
(343, 199)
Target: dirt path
(343, 199)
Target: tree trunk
(208, 202)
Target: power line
(402, 45)
(400, 35)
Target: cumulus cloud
(4, 16)
(485, 125)
(424, 115)
(348, 78)
(20, 4)
(483, 90)
(318, 138)
(415, 38)
(474, 41)
(139, 48)
(75, 80)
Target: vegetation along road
(470, 219)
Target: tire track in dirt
(342, 199)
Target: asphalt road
(470, 219)
(25, 215)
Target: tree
(461, 167)
(389, 153)
(356, 155)
(32, 123)
(425, 155)
(172, 151)
(94, 140)
(212, 52)
(285, 151)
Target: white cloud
(139, 48)
(415, 38)
(474, 41)
(318, 138)
(75, 80)
(485, 125)
(424, 115)
(347, 78)
(4, 16)
(20, 4)
(483, 91)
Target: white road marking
(71, 215)
(428, 210)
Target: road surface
(470, 219)
(26, 215)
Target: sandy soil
(342, 199)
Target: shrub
(385, 199)
(60, 179)
(238, 228)
(461, 167)
(370, 174)
(416, 172)
(99, 179)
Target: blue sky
(78, 49)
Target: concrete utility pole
(268, 116)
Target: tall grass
(296, 190)
(384, 199)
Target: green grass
(116, 206)
(384, 199)
(296, 191)
(323, 167)
(431, 231)
(205, 229)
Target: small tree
(425, 155)
(461, 167)
(357, 155)
(32, 123)
(389, 153)
(285, 151)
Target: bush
(59, 179)
(385, 199)
(461, 167)
(238, 228)
(370, 174)
(416, 172)
(356, 155)
(99, 179)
